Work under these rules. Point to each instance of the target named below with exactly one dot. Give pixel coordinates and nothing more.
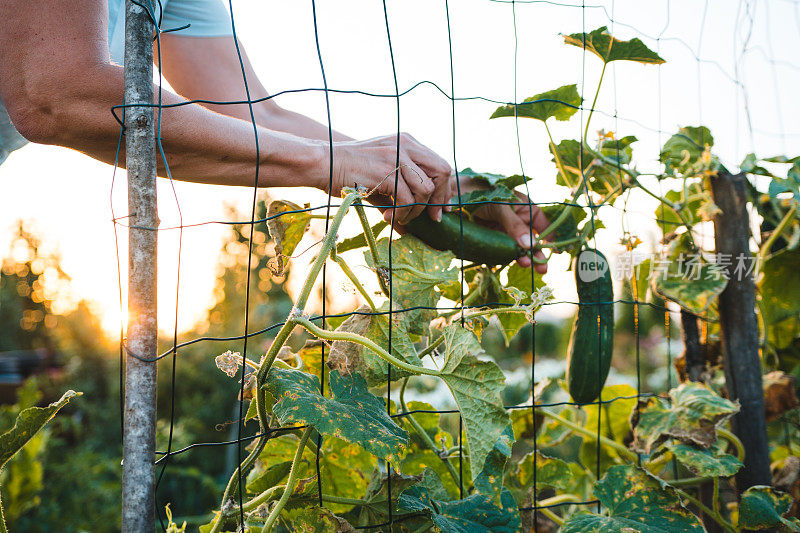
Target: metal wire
(747, 16)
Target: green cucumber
(591, 344)
(479, 244)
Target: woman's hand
(520, 221)
(422, 176)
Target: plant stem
(715, 502)
(713, 514)
(764, 250)
(557, 156)
(341, 500)
(558, 244)
(363, 341)
(373, 245)
(263, 497)
(424, 435)
(733, 439)
(290, 483)
(594, 102)
(621, 449)
(561, 498)
(280, 339)
(552, 516)
(688, 481)
(497, 311)
(431, 346)
(562, 216)
(353, 279)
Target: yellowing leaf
(691, 417)
(476, 386)
(609, 48)
(287, 227)
(636, 501)
(29, 421)
(352, 414)
(417, 270)
(764, 508)
(347, 357)
(705, 462)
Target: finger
(440, 196)
(420, 185)
(534, 215)
(515, 226)
(451, 193)
(403, 198)
(427, 159)
(531, 213)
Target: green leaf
(494, 180)
(268, 478)
(360, 240)
(779, 288)
(353, 413)
(432, 484)
(476, 386)
(750, 166)
(568, 228)
(578, 162)
(419, 457)
(546, 392)
(489, 480)
(614, 422)
(286, 229)
(609, 48)
(29, 421)
(763, 507)
(691, 417)
(375, 509)
(527, 281)
(618, 150)
(693, 284)
(705, 462)
(636, 501)
(551, 472)
(474, 513)
(684, 154)
(348, 357)
(319, 520)
(559, 103)
(474, 200)
(346, 470)
(417, 270)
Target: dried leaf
(691, 417)
(780, 394)
(286, 224)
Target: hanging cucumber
(592, 341)
(480, 244)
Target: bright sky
(68, 197)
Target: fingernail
(438, 216)
(525, 241)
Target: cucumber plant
(383, 459)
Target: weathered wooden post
(138, 470)
(739, 327)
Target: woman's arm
(208, 68)
(59, 86)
